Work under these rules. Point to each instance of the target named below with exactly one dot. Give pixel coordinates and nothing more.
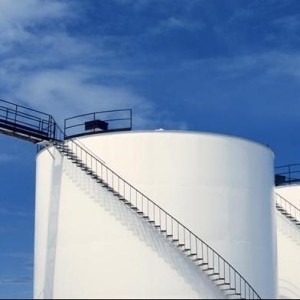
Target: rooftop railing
(98, 122)
(287, 174)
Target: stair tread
(217, 279)
(237, 294)
(192, 254)
(213, 274)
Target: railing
(114, 120)
(21, 117)
(200, 252)
(287, 174)
(288, 207)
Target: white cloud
(59, 73)
(65, 93)
(26, 10)
(267, 64)
(272, 64)
(17, 16)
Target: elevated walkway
(26, 123)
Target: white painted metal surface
(288, 244)
(290, 193)
(220, 187)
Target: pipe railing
(22, 117)
(116, 120)
(287, 174)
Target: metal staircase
(288, 210)
(46, 132)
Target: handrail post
(65, 125)
(16, 114)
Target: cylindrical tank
(288, 243)
(218, 186)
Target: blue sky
(225, 66)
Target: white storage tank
(288, 242)
(89, 245)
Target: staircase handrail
(290, 205)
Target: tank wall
(47, 194)
(288, 244)
(103, 250)
(218, 186)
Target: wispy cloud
(13, 211)
(289, 23)
(176, 23)
(17, 17)
(21, 280)
(269, 64)
(7, 158)
(22, 255)
(60, 73)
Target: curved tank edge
(163, 131)
(191, 132)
